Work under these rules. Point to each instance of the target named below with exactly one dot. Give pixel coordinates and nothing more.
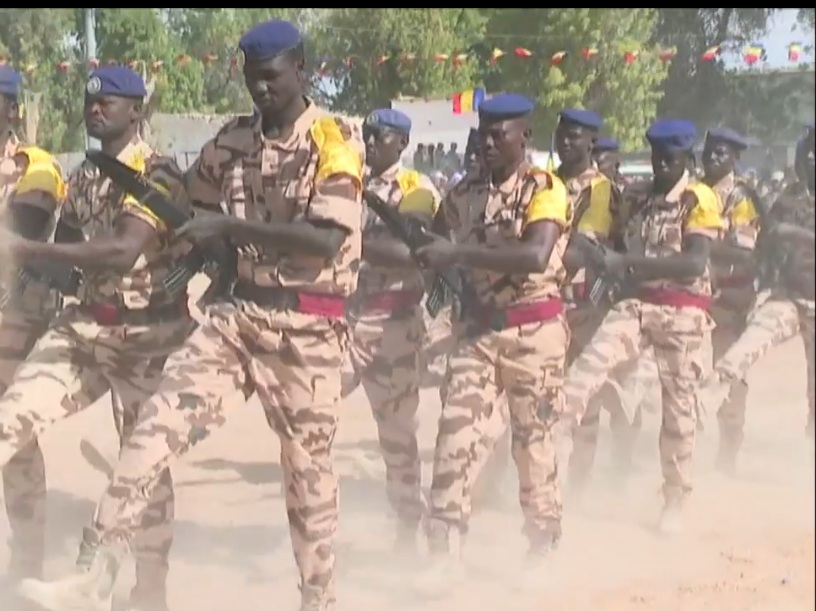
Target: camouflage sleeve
(204, 180)
(71, 210)
(337, 197)
(164, 173)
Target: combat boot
(445, 569)
(150, 591)
(538, 563)
(316, 599)
(671, 518)
(405, 541)
(90, 588)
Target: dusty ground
(749, 544)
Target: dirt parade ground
(748, 545)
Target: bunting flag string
(752, 55)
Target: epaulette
(544, 178)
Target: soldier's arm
(779, 223)
(745, 222)
(334, 211)
(593, 228)
(36, 196)
(701, 226)
(547, 216)
(382, 248)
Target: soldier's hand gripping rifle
(64, 279)
(410, 232)
(152, 198)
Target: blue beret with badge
(269, 39)
(505, 106)
(583, 118)
(672, 135)
(10, 81)
(729, 136)
(392, 119)
(605, 143)
(118, 81)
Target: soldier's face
(668, 167)
(383, 146)
(108, 116)
(718, 158)
(273, 83)
(502, 143)
(573, 143)
(607, 162)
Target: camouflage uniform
(733, 299)
(672, 317)
(387, 344)
(117, 338)
(283, 335)
(784, 311)
(524, 361)
(22, 322)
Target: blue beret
(120, 81)
(269, 39)
(10, 81)
(605, 143)
(584, 118)
(729, 136)
(505, 106)
(672, 135)
(387, 117)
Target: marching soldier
(389, 331)
(788, 306)
(31, 189)
(606, 157)
(510, 231)
(125, 325)
(291, 179)
(670, 313)
(732, 260)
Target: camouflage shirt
(479, 212)
(392, 185)
(797, 206)
(314, 174)
(94, 204)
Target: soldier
(670, 313)
(595, 202)
(389, 331)
(788, 306)
(606, 157)
(125, 325)
(31, 189)
(291, 181)
(732, 260)
(511, 228)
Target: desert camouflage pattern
(678, 337)
(734, 297)
(93, 205)
(78, 360)
(276, 183)
(524, 364)
(22, 323)
(292, 360)
(386, 354)
(782, 313)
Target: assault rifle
(151, 197)
(411, 232)
(65, 280)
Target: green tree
(624, 93)
(409, 39)
(696, 89)
(36, 41)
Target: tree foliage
(628, 95)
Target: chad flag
(794, 52)
(711, 54)
(468, 100)
(753, 54)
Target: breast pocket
(502, 228)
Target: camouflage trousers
(775, 319)
(24, 482)
(75, 363)
(678, 337)
(525, 364)
(584, 322)
(294, 363)
(438, 344)
(385, 355)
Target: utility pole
(90, 55)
